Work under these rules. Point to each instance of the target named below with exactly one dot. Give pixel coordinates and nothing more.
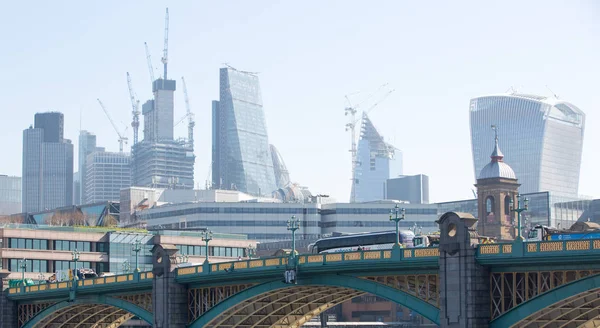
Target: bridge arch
(576, 302)
(90, 310)
(272, 303)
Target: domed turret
(497, 168)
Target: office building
(47, 249)
(52, 125)
(542, 139)
(377, 162)
(47, 165)
(411, 188)
(107, 173)
(265, 220)
(160, 160)
(87, 145)
(10, 195)
(242, 157)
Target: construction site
(160, 160)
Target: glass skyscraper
(241, 155)
(541, 137)
(377, 162)
(47, 165)
(107, 173)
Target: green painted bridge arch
(277, 304)
(576, 304)
(102, 310)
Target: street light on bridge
(23, 266)
(293, 224)
(208, 236)
(519, 209)
(396, 210)
(136, 247)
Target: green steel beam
(99, 299)
(544, 300)
(425, 309)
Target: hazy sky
(437, 55)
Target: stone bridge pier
(464, 284)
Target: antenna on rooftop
(552, 92)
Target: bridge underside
(582, 310)
(86, 316)
(282, 308)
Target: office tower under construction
(159, 160)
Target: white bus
(362, 241)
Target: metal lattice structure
(423, 286)
(509, 289)
(143, 300)
(86, 316)
(200, 300)
(28, 311)
(282, 308)
(582, 310)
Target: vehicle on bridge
(20, 282)
(577, 231)
(433, 240)
(362, 241)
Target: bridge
(459, 284)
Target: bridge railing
(539, 249)
(342, 258)
(83, 284)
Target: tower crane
(149, 59)
(189, 113)
(122, 139)
(165, 58)
(351, 126)
(135, 112)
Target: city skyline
(304, 111)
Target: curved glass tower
(241, 154)
(542, 139)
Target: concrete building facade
(107, 173)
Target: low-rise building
(47, 249)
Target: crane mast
(122, 139)
(135, 106)
(149, 59)
(165, 57)
(351, 126)
(189, 115)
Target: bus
(362, 241)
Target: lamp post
(75, 255)
(208, 236)
(23, 266)
(136, 247)
(519, 209)
(293, 224)
(397, 210)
